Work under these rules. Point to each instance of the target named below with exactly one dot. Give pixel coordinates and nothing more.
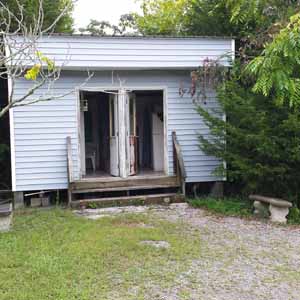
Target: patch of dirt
(110, 211)
(156, 244)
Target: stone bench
(5, 216)
(278, 208)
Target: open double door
(123, 138)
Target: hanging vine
(206, 78)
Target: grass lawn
(53, 254)
(224, 206)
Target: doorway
(150, 131)
(122, 133)
(95, 133)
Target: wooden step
(128, 183)
(120, 189)
(130, 200)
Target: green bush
(226, 206)
(294, 216)
(262, 141)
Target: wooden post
(69, 169)
(18, 200)
(179, 167)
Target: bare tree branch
(20, 56)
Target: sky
(102, 10)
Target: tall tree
(261, 100)
(259, 141)
(162, 17)
(51, 10)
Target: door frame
(80, 119)
(114, 129)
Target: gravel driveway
(240, 258)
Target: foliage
(224, 206)
(276, 70)
(249, 13)
(162, 17)
(102, 28)
(34, 71)
(294, 216)
(51, 8)
(53, 254)
(253, 23)
(262, 141)
(182, 17)
(207, 77)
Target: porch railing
(179, 167)
(69, 169)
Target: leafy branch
(276, 70)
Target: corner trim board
(12, 142)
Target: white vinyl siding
(115, 53)
(40, 130)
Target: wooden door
(131, 137)
(114, 135)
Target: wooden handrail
(69, 168)
(179, 167)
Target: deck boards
(131, 182)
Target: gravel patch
(239, 259)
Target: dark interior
(5, 171)
(96, 124)
(147, 103)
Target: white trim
(114, 136)
(122, 132)
(12, 141)
(233, 49)
(165, 114)
(80, 136)
(127, 88)
(11, 131)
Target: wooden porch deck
(109, 182)
(147, 186)
(83, 191)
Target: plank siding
(78, 52)
(41, 129)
